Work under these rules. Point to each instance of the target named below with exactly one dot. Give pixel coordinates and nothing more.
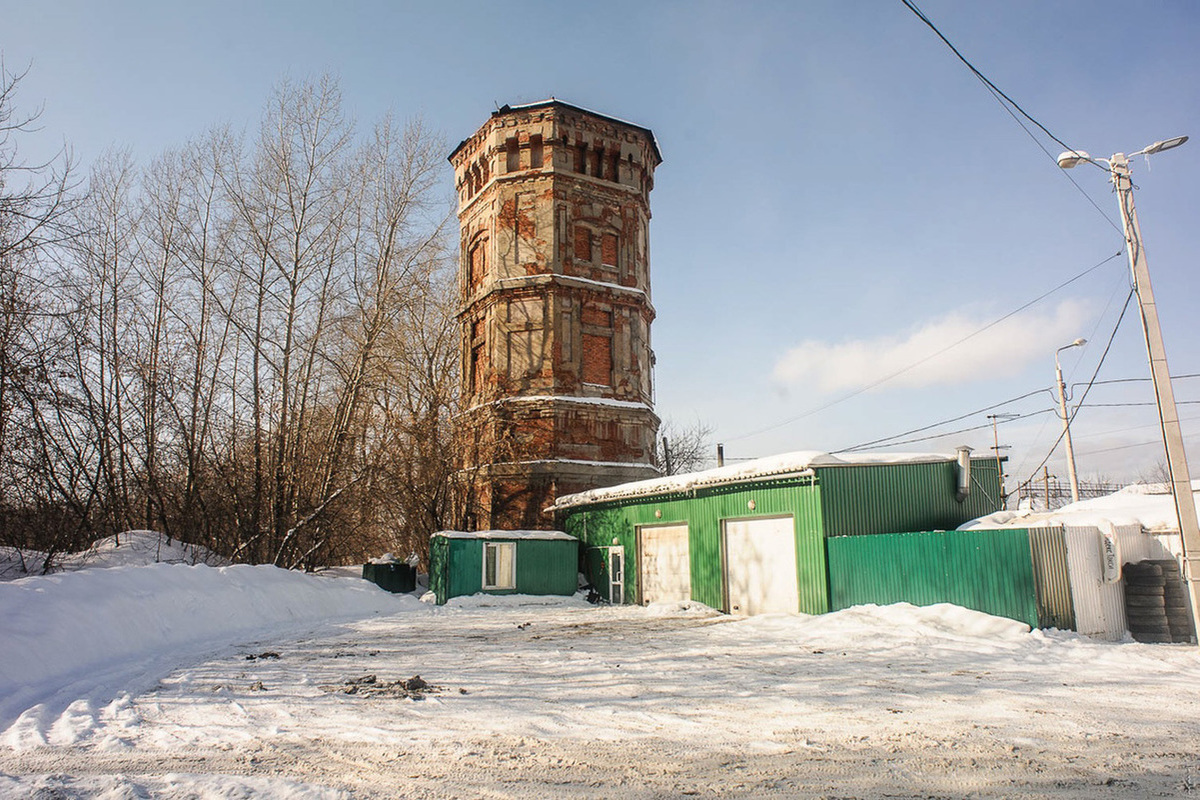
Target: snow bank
(1147, 504)
(131, 548)
(59, 628)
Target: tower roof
(556, 103)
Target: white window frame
(501, 582)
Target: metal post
(1181, 484)
(1066, 421)
(720, 455)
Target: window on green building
(499, 565)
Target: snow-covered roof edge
(799, 463)
(495, 534)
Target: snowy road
(567, 700)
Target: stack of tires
(1156, 603)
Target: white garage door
(760, 566)
(663, 563)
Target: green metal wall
(702, 511)
(543, 566)
(886, 498)
(989, 571)
(547, 566)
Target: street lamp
(1181, 484)
(1062, 408)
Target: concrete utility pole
(1181, 483)
(1066, 420)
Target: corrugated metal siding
(547, 566)
(464, 570)
(439, 548)
(1135, 546)
(597, 526)
(1052, 576)
(888, 498)
(989, 571)
(1099, 606)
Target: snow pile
(59, 628)
(1147, 504)
(131, 548)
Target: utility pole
(1164, 394)
(1066, 420)
(996, 448)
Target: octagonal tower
(555, 311)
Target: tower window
(597, 359)
(583, 244)
(608, 250)
(581, 158)
(476, 371)
(478, 262)
(513, 157)
(535, 152)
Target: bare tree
(685, 448)
(35, 204)
(253, 347)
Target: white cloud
(1001, 350)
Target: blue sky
(840, 197)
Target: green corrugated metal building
(502, 562)
(764, 536)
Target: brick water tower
(554, 311)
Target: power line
(1140, 380)
(1008, 104)
(919, 362)
(871, 444)
(1131, 405)
(1090, 383)
(986, 82)
(890, 443)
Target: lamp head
(1072, 158)
(1158, 147)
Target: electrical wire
(1141, 380)
(891, 439)
(1014, 418)
(921, 15)
(1008, 104)
(867, 387)
(1090, 383)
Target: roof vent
(964, 473)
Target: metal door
(664, 564)
(616, 574)
(760, 566)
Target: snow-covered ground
(181, 681)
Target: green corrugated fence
(989, 571)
